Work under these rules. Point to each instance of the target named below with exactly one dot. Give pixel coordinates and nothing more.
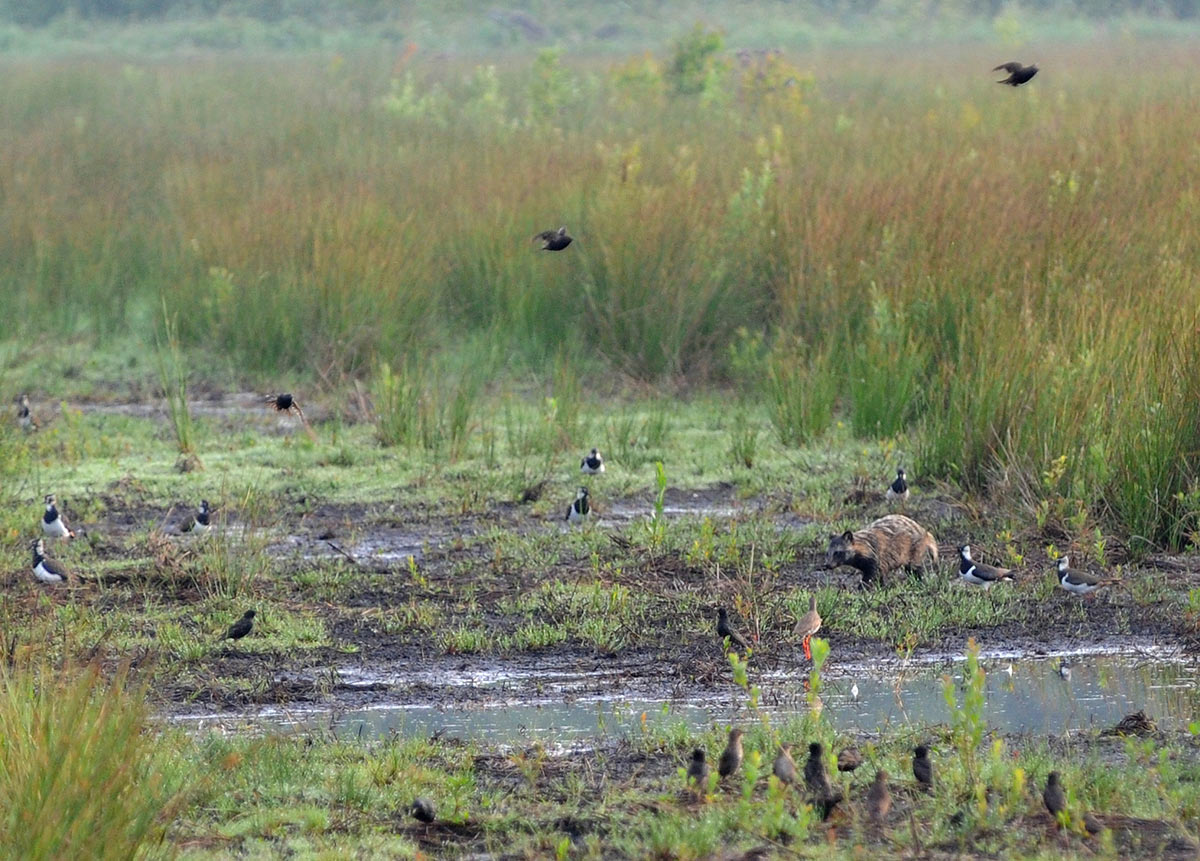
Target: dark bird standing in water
(922, 767)
(731, 758)
(879, 799)
(554, 240)
(724, 629)
(697, 773)
(241, 627)
(422, 810)
(816, 778)
(1017, 74)
(1053, 797)
(785, 767)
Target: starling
(807, 625)
(592, 464)
(785, 766)
(285, 403)
(816, 778)
(977, 573)
(1054, 797)
(1017, 74)
(53, 523)
(553, 240)
(726, 631)
(241, 627)
(879, 799)
(697, 773)
(849, 759)
(46, 569)
(731, 758)
(898, 489)
(578, 511)
(922, 767)
(422, 810)
(1079, 582)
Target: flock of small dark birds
(822, 792)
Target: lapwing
(785, 767)
(579, 509)
(816, 778)
(849, 759)
(241, 627)
(553, 240)
(697, 773)
(53, 523)
(201, 520)
(1053, 796)
(898, 489)
(727, 632)
(25, 415)
(922, 767)
(1079, 582)
(807, 625)
(879, 799)
(979, 573)
(593, 464)
(422, 810)
(731, 757)
(1017, 74)
(46, 569)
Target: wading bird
(898, 489)
(578, 510)
(46, 569)
(53, 523)
(807, 625)
(979, 573)
(592, 464)
(1079, 582)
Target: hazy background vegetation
(873, 234)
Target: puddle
(382, 545)
(557, 704)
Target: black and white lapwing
(898, 489)
(25, 415)
(201, 520)
(241, 627)
(46, 569)
(978, 573)
(1079, 582)
(578, 512)
(593, 464)
(1017, 74)
(53, 523)
(553, 240)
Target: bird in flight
(1017, 74)
(553, 240)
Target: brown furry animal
(891, 542)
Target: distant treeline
(364, 12)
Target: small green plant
(968, 722)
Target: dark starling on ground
(46, 569)
(731, 757)
(725, 630)
(922, 766)
(879, 799)
(553, 240)
(422, 810)
(285, 403)
(977, 573)
(785, 766)
(697, 773)
(1053, 796)
(807, 625)
(816, 778)
(53, 523)
(241, 627)
(1017, 74)
(592, 464)
(898, 489)
(1079, 582)
(849, 759)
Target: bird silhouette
(816, 778)
(241, 627)
(807, 625)
(553, 240)
(922, 767)
(879, 799)
(1017, 74)
(422, 810)
(785, 767)
(1053, 797)
(731, 757)
(849, 759)
(725, 630)
(697, 773)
